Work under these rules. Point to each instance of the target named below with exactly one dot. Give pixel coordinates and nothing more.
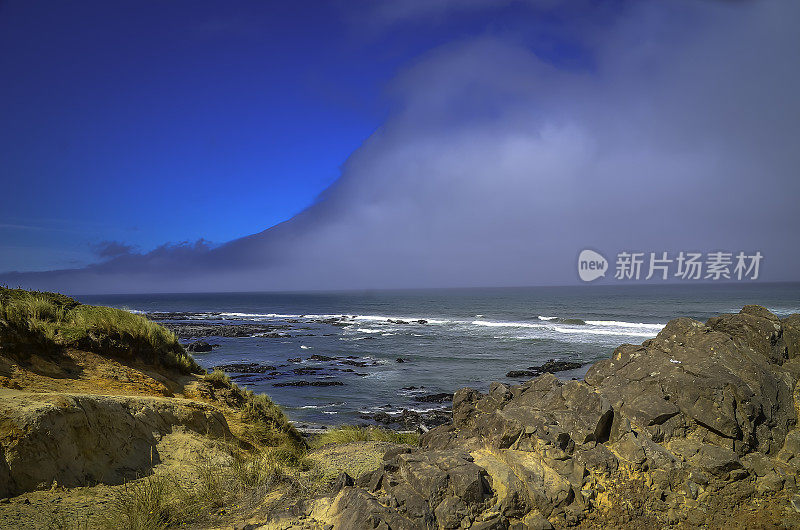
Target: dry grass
(223, 491)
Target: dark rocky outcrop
(688, 429)
(199, 346)
(323, 358)
(245, 368)
(410, 419)
(309, 383)
(196, 330)
(441, 397)
(550, 367)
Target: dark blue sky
(154, 122)
(383, 144)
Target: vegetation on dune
(221, 489)
(267, 467)
(349, 433)
(45, 323)
(263, 422)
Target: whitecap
(603, 332)
(621, 324)
(507, 324)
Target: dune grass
(45, 323)
(273, 459)
(222, 491)
(350, 433)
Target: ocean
(447, 339)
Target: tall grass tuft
(150, 504)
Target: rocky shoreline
(326, 370)
(698, 426)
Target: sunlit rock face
(682, 428)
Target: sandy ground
(78, 508)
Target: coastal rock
(680, 428)
(196, 330)
(199, 346)
(317, 357)
(522, 373)
(550, 367)
(410, 419)
(434, 398)
(309, 383)
(245, 368)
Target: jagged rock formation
(695, 426)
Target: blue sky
(155, 122)
(414, 143)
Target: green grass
(46, 323)
(348, 433)
(265, 424)
(218, 379)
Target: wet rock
(350, 362)
(553, 366)
(199, 346)
(317, 357)
(245, 368)
(309, 383)
(550, 367)
(410, 419)
(196, 330)
(442, 397)
(306, 370)
(522, 373)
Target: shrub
(218, 379)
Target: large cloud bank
(497, 168)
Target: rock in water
(199, 346)
(552, 366)
(678, 430)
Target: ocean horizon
(332, 358)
